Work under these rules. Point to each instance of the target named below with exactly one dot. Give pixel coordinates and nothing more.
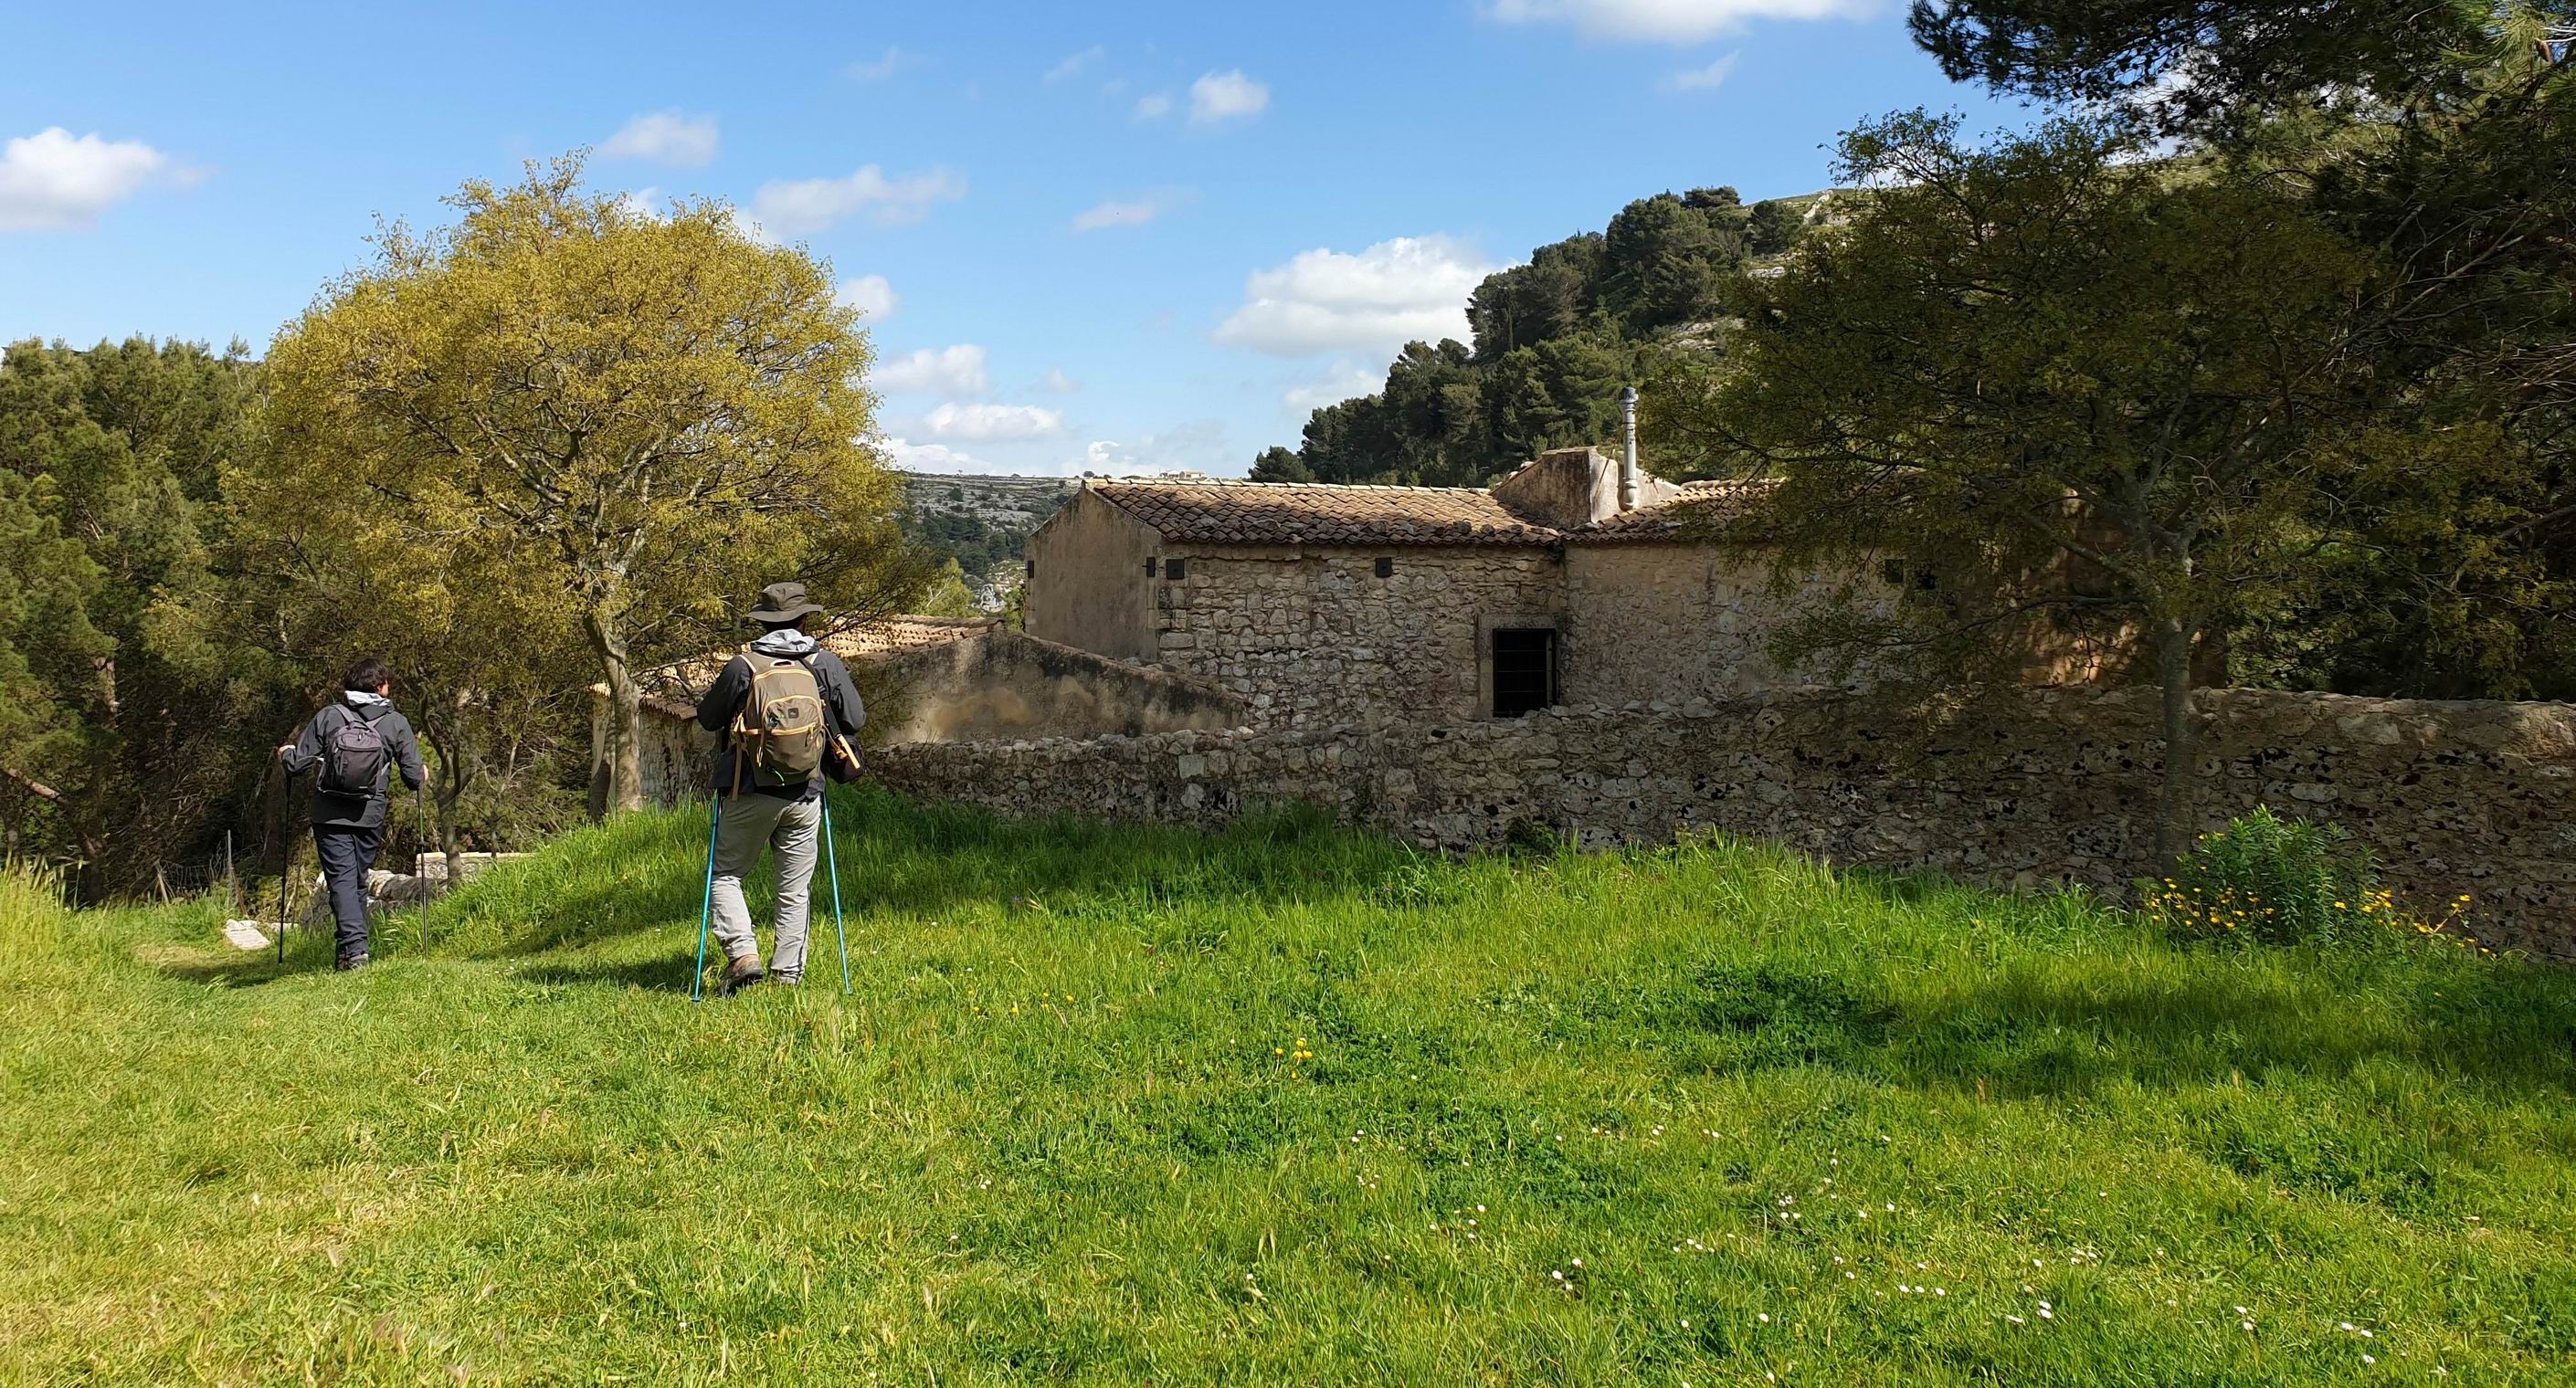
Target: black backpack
(354, 756)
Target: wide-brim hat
(782, 602)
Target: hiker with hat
(784, 711)
(359, 743)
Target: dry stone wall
(2042, 786)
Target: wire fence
(217, 873)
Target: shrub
(2281, 881)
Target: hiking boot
(787, 978)
(347, 962)
(742, 973)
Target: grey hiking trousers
(745, 824)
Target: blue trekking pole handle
(706, 902)
(832, 861)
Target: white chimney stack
(1628, 456)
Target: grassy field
(1286, 1105)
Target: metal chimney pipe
(1628, 458)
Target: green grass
(1061, 1132)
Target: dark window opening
(1033, 568)
(1174, 570)
(1899, 574)
(1386, 568)
(1149, 566)
(1524, 670)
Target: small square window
(1524, 670)
(1385, 568)
(1175, 569)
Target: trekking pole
(285, 848)
(420, 863)
(832, 862)
(706, 902)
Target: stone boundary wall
(2037, 786)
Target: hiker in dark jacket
(359, 743)
(760, 805)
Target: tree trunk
(617, 777)
(2173, 670)
(452, 782)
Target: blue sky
(1121, 238)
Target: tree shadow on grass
(308, 951)
(662, 974)
(900, 857)
(2023, 1034)
(2073, 1001)
(2065, 1012)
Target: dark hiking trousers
(346, 855)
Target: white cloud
(1132, 212)
(1701, 79)
(1055, 380)
(644, 204)
(869, 294)
(931, 457)
(1413, 287)
(1154, 106)
(54, 181)
(882, 68)
(949, 371)
(666, 137)
(979, 423)
(1224, 96)
(1345, 381)
(811, 204)
(1074, 63)
(1668, 21)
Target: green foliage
(587, 435)
(1062, 1129)
(131, 702)
(970, 543)
(1773, 228)
(2099, 401)
(2237, 57)
(1278, 464)
(2467, 588)
(2275, 881)
(948, 595)
(2442, 138)
(1555, 340)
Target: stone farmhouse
(1359, 606)
(1586, 654)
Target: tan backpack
(783, 727)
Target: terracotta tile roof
(1701, 508)
(1320, 514)
(1316, 513)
